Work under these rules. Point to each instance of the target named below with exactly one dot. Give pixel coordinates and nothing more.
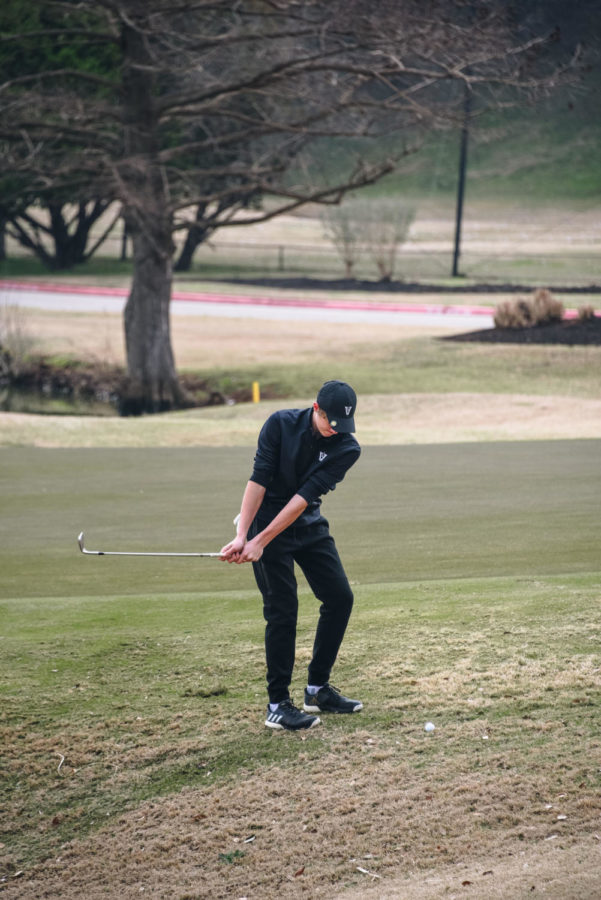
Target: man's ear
(315, 405)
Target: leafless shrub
(586, 312)
(373, 226)
(526, 312)
(512, 314)
(546, 308)
(16, 340)
(342, 229)
(386, 225)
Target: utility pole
(467, 103)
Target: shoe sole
(277, 726)
(318, 709)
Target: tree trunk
(196, 235)
(153, 385)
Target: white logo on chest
(322, 455)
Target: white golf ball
(429, 726)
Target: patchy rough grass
(141, 760)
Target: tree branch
(98, 80)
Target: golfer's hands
(241, 551)
(231, 552)
(253, 550)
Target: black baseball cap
(339, 402)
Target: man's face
(320, 422)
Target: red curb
(248, 300)
(52, 287)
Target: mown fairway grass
(133, 690)
(403, 513)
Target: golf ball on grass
(429, 726)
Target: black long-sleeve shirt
(292, 458)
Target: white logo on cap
(322, 455)
(348, 410)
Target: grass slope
(132, 691)
(126, 728)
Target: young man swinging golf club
(301, 455)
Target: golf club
(83, 549)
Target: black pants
(313, 548)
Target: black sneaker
(328, 699)
(289, 717)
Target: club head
(80, 541)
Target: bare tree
(214, 105)
(59, 233)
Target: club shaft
(133, 553)
(83, 549)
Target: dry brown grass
(385, 420)
(500, 801)
(329, 825)
(558, 872)
(210, 342)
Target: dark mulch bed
(402, 287)
(569, 331)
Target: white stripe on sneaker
(273, 720)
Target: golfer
(301, 455)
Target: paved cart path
(80, 298)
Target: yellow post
(256, 392)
